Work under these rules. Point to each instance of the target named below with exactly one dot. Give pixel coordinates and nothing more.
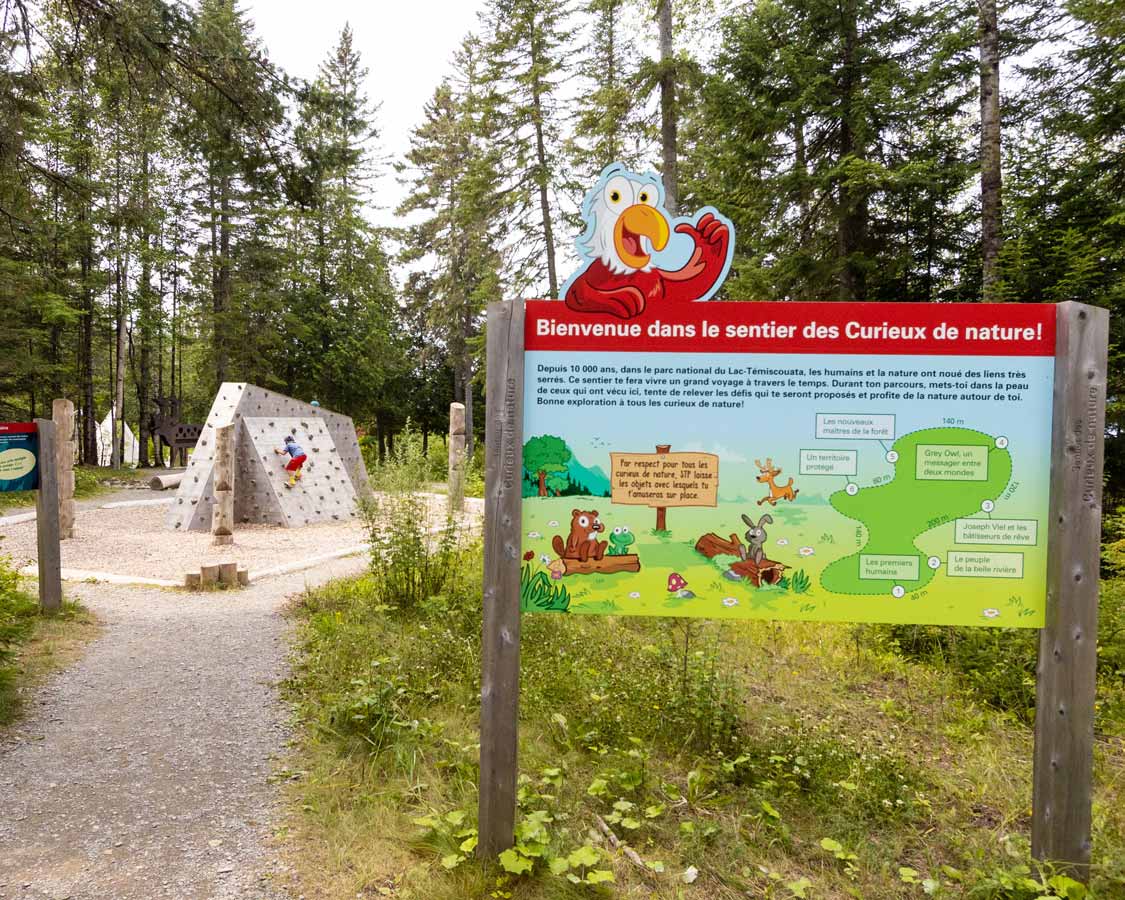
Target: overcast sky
(406, 46)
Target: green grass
(33, 644)
(740, 749)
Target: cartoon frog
(620, 541)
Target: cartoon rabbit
(756, 538)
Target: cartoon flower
(806, 551)
(554, 523)
(530, 555)
(635, 595)
(781, 542)
(534, 534)
(730, 601)
(991, 613)
(544, 559)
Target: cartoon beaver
(583, 543)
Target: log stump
(711, 545)
(768, 571)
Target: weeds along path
(143, 770)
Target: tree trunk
(851, 229)
(467, 399)
(220, 270)
(542, 483)
(86, 354)
(117, 453)
(668, 113)
(117, 448)
(144, 379)
(990, 235)
(545, 207)
(543, 174)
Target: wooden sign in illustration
(663, 479)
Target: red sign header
(920, 329)
(18, 428)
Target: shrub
(86, 481)
(998, 665)
(414, 553)
(17, 620)
(616, 683)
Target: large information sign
(816, 461)
(19, 453)
(651, 454)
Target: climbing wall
(324, 493)
(263, 416)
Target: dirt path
(142, 771)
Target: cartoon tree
(545, 455)
(557, 482)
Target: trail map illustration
(790, 461)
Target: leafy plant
(538, 592)
(837, 850)
(578, 866)
(18, 612)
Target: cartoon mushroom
(676, 582)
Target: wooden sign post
(500, 652)
(62, 414)
(456, 481)
(1067, 674)
(47, 520)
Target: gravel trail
(141, 772)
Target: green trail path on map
(941, 474)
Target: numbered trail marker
(878, 462)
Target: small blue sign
(19, 456)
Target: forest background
(176, 210)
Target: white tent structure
(105, 443)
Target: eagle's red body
(625, 295)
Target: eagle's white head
(625, 220)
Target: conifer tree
(608, 124)
(527, 56)
(455, 180)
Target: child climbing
(297, 459)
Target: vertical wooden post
(500, 660)
(47, 520)
(62, 414)
(662, 512)
(456, 457)
(1067, 676)
(222, 514)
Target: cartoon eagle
(626, 224)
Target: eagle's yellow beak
(636, 222)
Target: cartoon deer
(767, 476)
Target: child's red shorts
(295, 463)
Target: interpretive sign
(19, 453)
(880, 463)
(875, 462)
